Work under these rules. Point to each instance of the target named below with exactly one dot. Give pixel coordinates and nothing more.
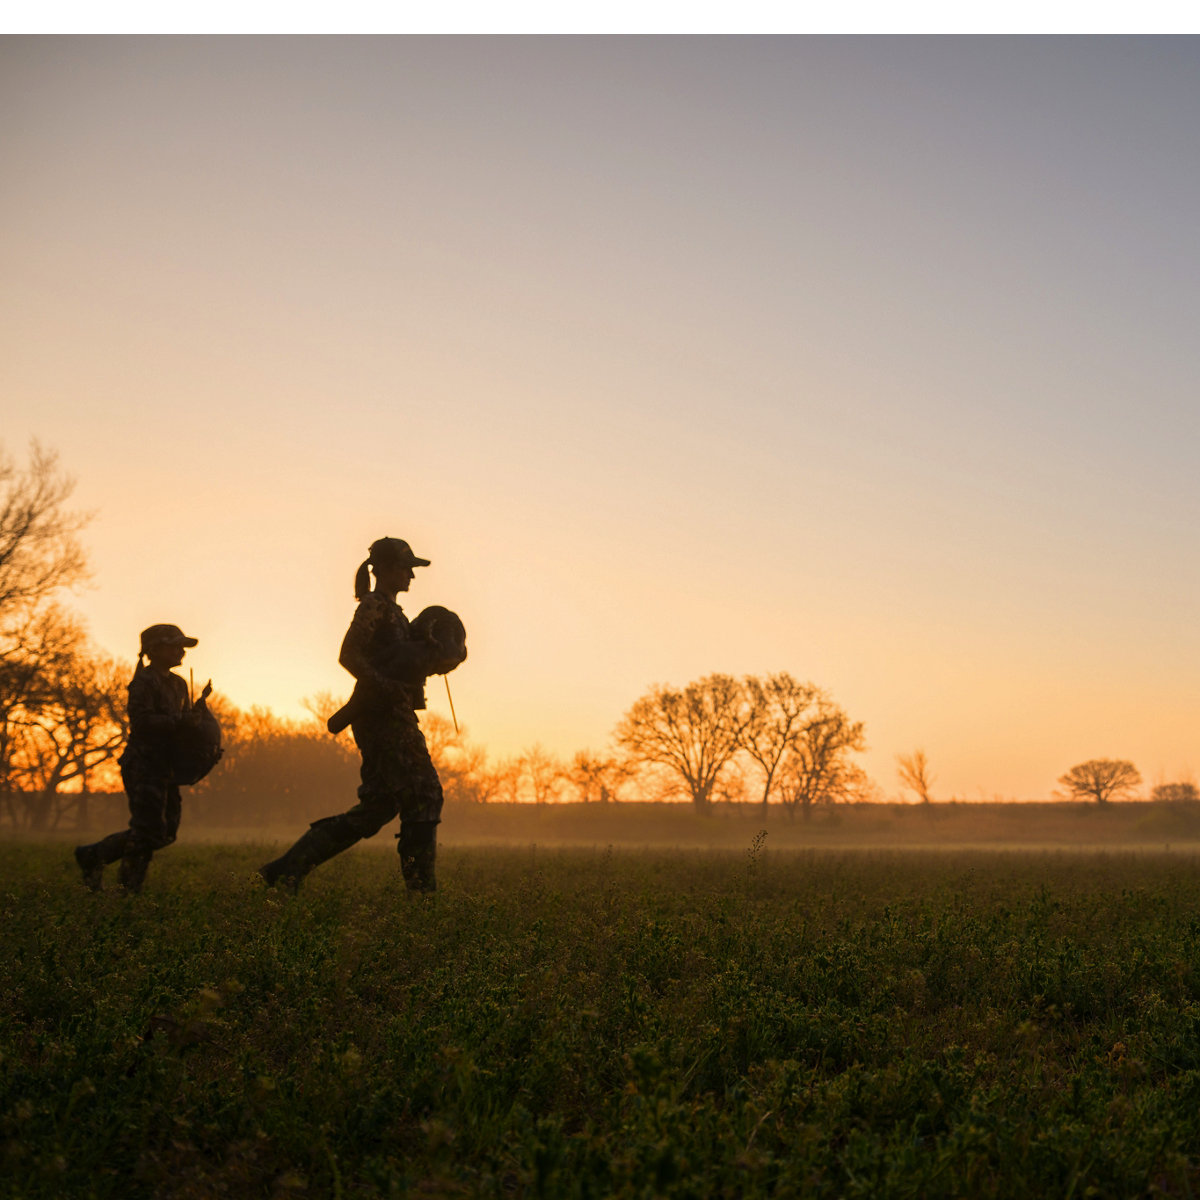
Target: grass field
(577, 1022)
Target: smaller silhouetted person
(160, 718)
(390, 660)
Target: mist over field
(633, 825)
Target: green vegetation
(595, 1023)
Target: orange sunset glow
(870, 360)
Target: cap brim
(420, 562)
(187, 641)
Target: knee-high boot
(132, 872)
(95, 856)
(418, 854)
(322, 840)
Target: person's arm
(356, 654)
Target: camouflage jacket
(379, 651)
(157, 703)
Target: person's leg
(420, 804)
(331, 835)
(321, 841)
(418, 855)
(174, 810)
(151, 802)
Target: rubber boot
(418, 854)
(93, 858)
(132, 872)
(322, 840)
(90, 863)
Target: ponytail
(362, 580)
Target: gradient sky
(872, 360)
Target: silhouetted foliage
(597, 777)
(543, 773)
(62, 722)
(57, 714)
(914, 773)
(461, 765)
(275, 771)
(796, 735)
(39, 552)
(778, 709)
(1175, 793)
(818, 769)
(693, 732)
(1101, 779)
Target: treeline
(63, 723)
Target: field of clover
(599, 1023)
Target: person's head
(164, 645)
(391, 560)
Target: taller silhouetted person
(390, 660)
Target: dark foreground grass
(581, 1023)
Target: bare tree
(70, 724)
(1101, 779)
(818, 769)
(461, 765)
(503, 781)
(39, 551)
(775, 718)
(322, 705)
(1175, 793)
(693, 732)
(914, 773)
(544, 773)
(596, 777)
(47, 641)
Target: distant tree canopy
(1175, 793)
(796, 736)
(1101, 779)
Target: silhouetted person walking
(389, 659)
(160, 717)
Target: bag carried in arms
(437, 644)
(196, 746)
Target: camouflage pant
(398, 780)
(398, 776)
(154, 810)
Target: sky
(867, 359)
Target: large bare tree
(1101, 779)
(778, 709)
(49, 641)
(39, 554)
(818, 768)
(77, 726)
(693, 731)
(39, 550)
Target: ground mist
(1136, 825)
(574, 1023)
